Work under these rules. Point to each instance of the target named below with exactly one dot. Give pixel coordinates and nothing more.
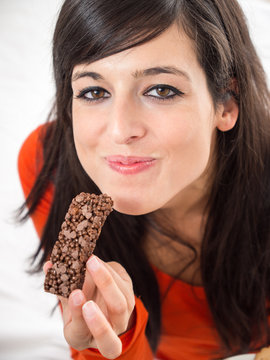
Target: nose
(126, 123)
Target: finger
(65, 308)
(47, 265)
(121, 278)
(75, 303)
(123, 281)
(114, 299)
(89, 286)
(119, 271)
(76, 331)
(106, 340)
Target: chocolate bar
(76, 242)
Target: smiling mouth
(129, 165)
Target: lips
(129, 165)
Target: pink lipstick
(129, 165)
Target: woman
(163, 105)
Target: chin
(131, 206)
(135, 199)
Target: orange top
(187, 327)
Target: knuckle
(114, 356)
(122, 328)
(131, 304)
(116, 265)
(117, 351)
(106, 280)
(79, 347)
(100, 331)
(67, 338)
(119, 307)
(72, 342)
(119, 269)
(78, 338)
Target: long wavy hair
(235, 253)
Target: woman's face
(143, 123)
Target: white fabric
(27, 332)
(242, 357)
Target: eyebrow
(137, 74)
(161, 70)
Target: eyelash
(175, 91)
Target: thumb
(65, 309)
(47, 265)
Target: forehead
(171, 48)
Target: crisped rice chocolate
(76, 242)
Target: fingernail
(93, 264)
(77, 298)
(89, 309)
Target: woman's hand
(102, 310)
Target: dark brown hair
(235, 256)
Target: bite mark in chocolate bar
(76, 242)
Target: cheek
(86, 130)
(189, 134)
(188, 144)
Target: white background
(27, 331)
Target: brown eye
(93, 94)
(97, 94)
(163, 91)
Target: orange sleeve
(30, 161)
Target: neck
(174, 237)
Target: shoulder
(30, 158)
(30, 162)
